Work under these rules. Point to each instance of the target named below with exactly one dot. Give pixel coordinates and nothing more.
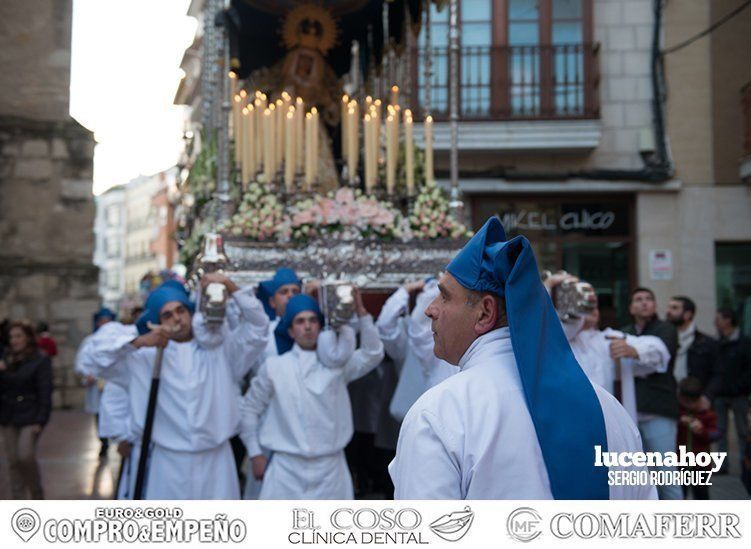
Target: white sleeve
(84, 366)
(425, 466)
(252, 406)
(391, 325)
(335, 347)
(421, 340)
(370, 353)
(112, 354)
(245, 341)
(654, 356)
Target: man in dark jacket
(656, 393)
(697, 352)
(735, 377)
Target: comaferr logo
(454, 526)
(524, 524)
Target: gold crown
(309, 26)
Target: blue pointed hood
(563, 404)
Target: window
(519, 59)
(733, 279)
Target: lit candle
(367, 122)
(250, 141)
(344, 117)
(299, 141)
(236, 126)
(409, 153)
(279, 134)
(395, 95)
(390, 154)
(353, 153)
(429, 149)
(289, 152)
(308, 152)
(314, 146)
(241, 154)
(268, 144)
(258, 132)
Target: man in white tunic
(308, 416)
(274, 294)
(520, 420)
(190, 456)
(88, 375)
(408, 339)
(600, 355)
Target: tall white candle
(299, 134)
(409, 153)
(289, 153)
(314, 146)
(268, 144)
(344, 130)
(429, 177)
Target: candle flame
(345, 98)
(232, 75)
(314, 110)
(286, 96)
(290, 115)
(367, 118)
(394, 88)
(429, 119)
(377, 102)
(308, 116)
(237, 99)
(299, 101)
(272, 107)
(279, 102)
(245, 111)
(243, 94)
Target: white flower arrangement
(431, 218)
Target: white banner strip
(272, 524)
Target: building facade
(149, 244)
(46, 170)
(109, 255)
(621, 160)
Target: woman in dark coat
(25, 404)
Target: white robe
(195, 417)
(253, 485)
(308, 415)
(85, 367)
(592, 351)
(409, 341)
(472, 437)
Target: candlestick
(409, 153)
(308, 152)
(279, 133)
(353, 152)
(390, 155)
(299, 134)
(250, 142)
(344, 130)
(268, 144)
(236, 125)
(314, 146)
(429, 150)
(289, 152)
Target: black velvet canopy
(256, 40)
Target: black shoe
(103, 451)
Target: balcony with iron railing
(543, 82)
(541, 90)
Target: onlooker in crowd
(735, 379)
(697, 427)
(45, 341)
(656, 399)
(25, 404)
(697, 352)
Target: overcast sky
(124, 73)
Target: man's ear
(487, 311)
(290, 332)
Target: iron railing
(513, 82)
